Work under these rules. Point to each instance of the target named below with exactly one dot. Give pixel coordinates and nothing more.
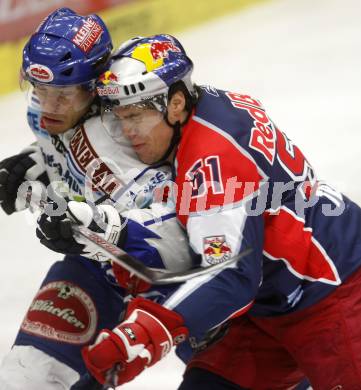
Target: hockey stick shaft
(136, 267)
(150, 275)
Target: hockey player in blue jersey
(79, 296)
(44, 353)
(289, 309)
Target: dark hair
(191, 100)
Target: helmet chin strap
(176, 135)
(174, 140)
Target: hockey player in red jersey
(289, 309)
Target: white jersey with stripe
(92, 165)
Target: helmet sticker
(143, 72)
(107, 77)
(153, 54)
(40, 72)
(108, 91)
(87, 35)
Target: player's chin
(147, 159)
(143, 153)
(54, 130)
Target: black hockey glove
(14, 171)
(56, 233)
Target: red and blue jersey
(241, 183)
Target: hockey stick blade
(150, 275)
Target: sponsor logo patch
(215, 249)
(40, 73)
(108, 91)
(63, 312)
(88, 34)
(84, 155)
(153, 54)
(108, 77)
(130, 333)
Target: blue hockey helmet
(67, 49)
(143, 70)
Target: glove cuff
(172, 321)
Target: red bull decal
(87, 35)
(153, 54)
(108, 77)
(215, 249)
(161, 49)
(40, 72)
(108, 91)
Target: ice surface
(301, 58)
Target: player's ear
(176, 107)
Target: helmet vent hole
(67, 72)
(126, 90)
(134, 90)
(141, 86)
(66, 57)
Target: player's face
(147, 131)
(62, 107)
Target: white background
(301, 58)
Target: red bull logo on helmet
(216, 250)
(153, 54)
(107, 77)
(108, 91)
(40, 73)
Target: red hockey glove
(131, 283)
(141, 340)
